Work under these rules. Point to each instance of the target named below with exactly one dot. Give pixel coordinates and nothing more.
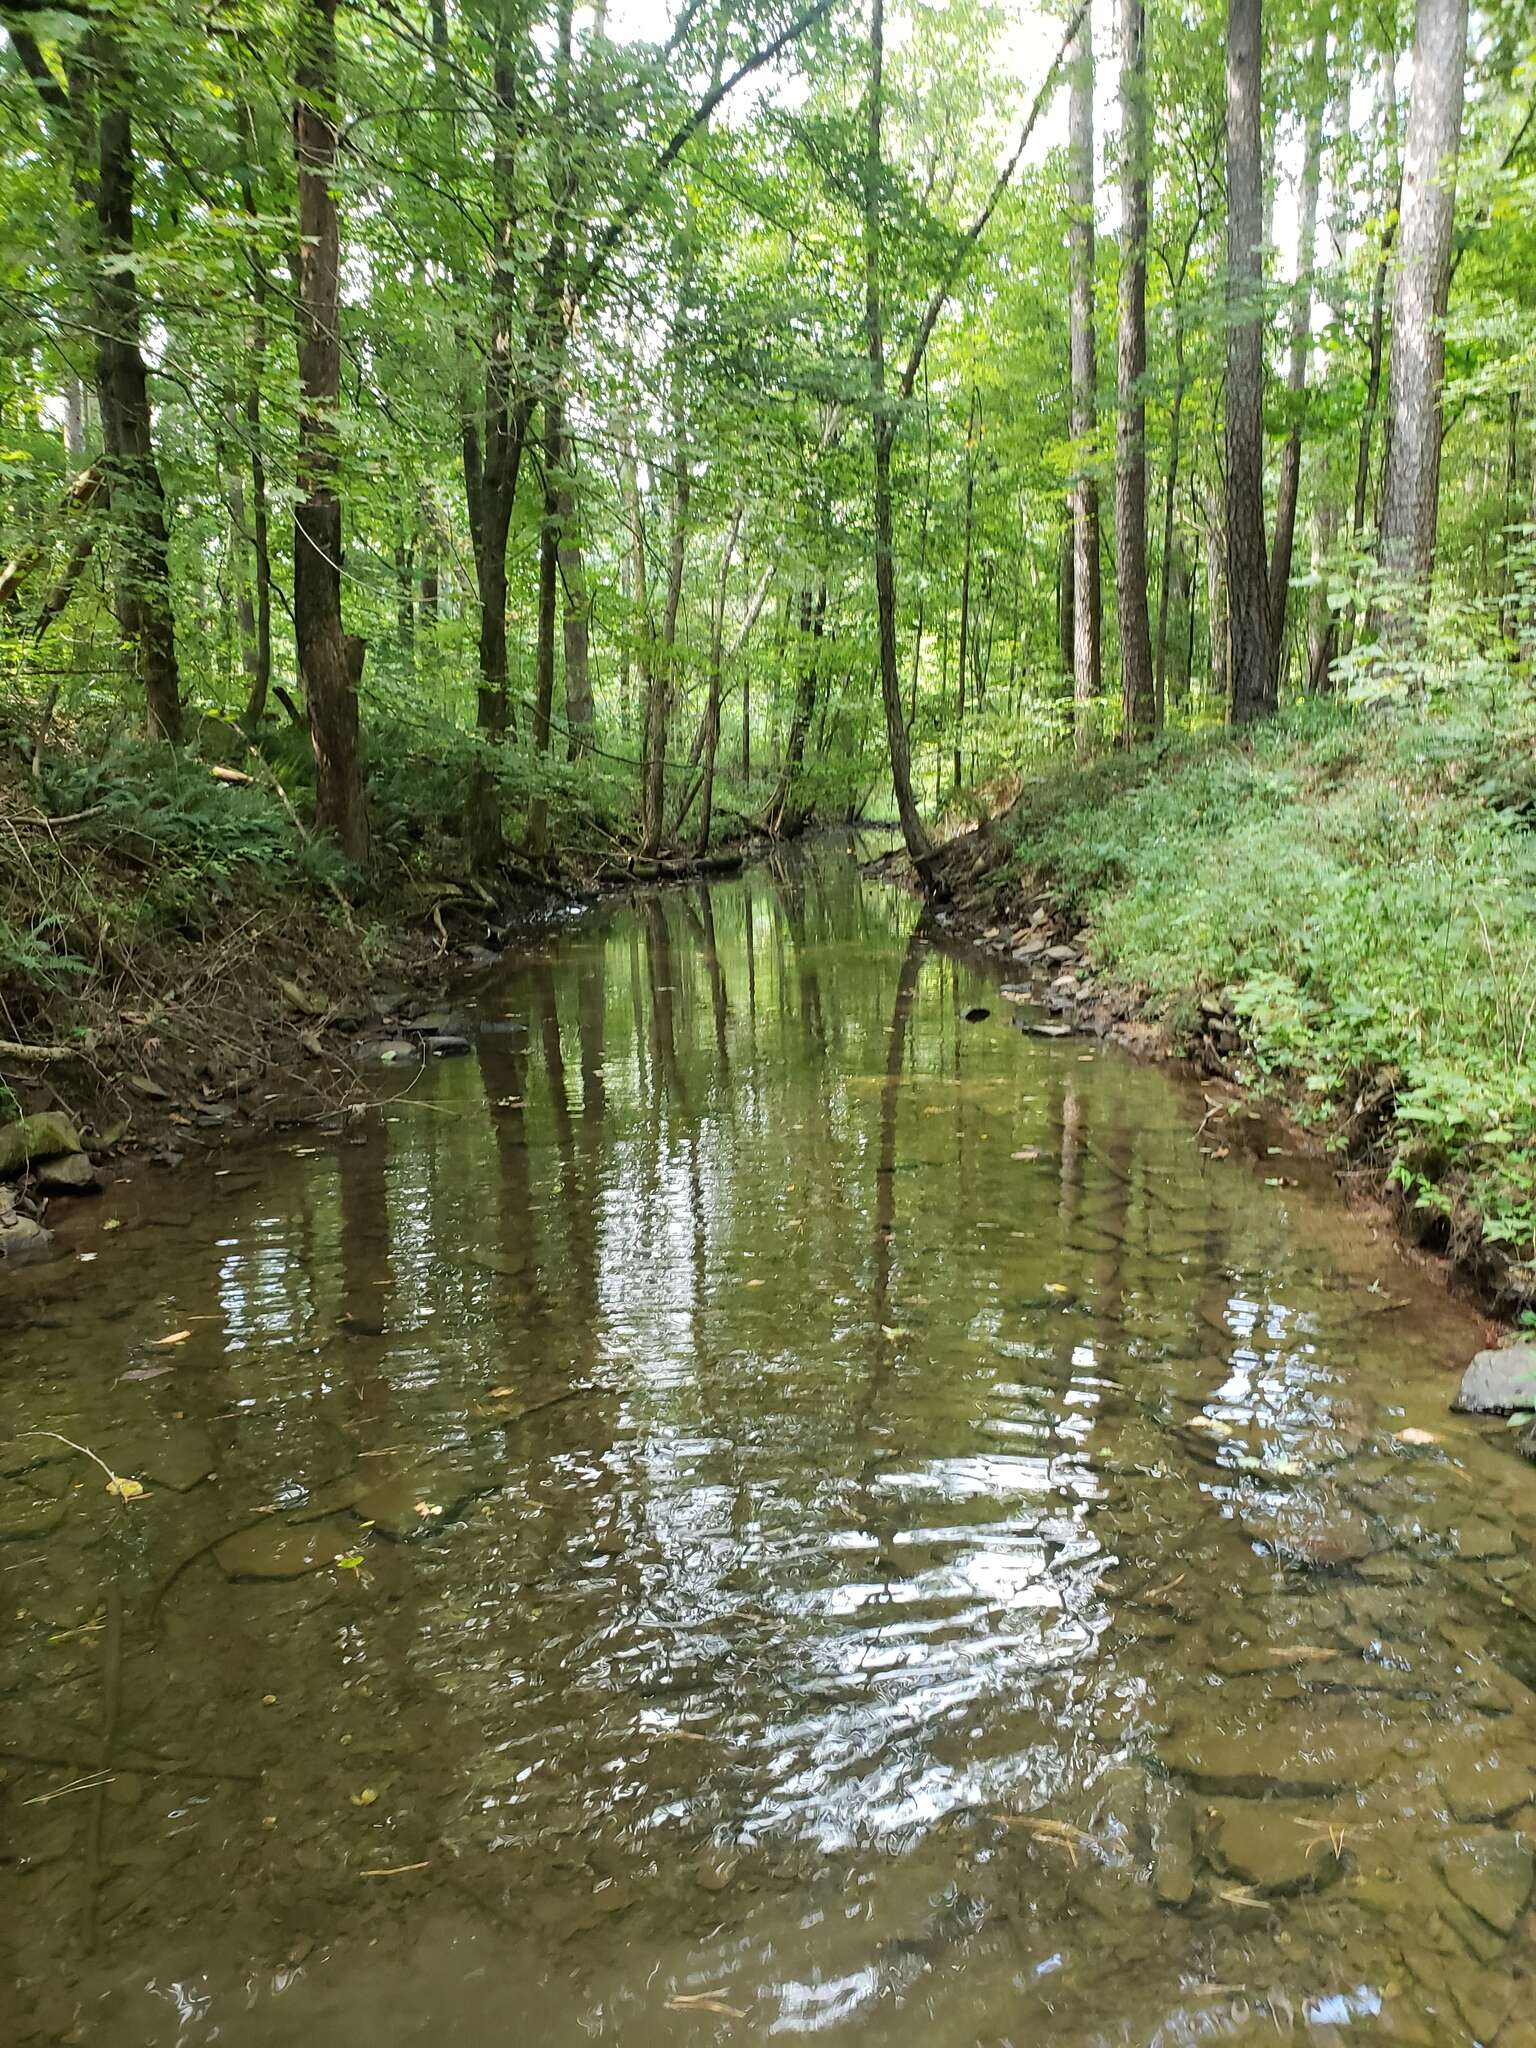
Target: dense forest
(771, 412)
(492, 439)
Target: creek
(758, 1503)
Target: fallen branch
(13, 1049)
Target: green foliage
(1365, 918)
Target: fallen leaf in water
(704, 2001)
(428, 1507)
(125, 1489)
(893, 1331)
(113, 1223)
(176, 1337)
(1417, 1436)
(147, 1372)
(752, 1283)
(1056, 1287)
(349, 1560)
(364, 1798)
(269, 1699)
(1029, 1152)
(502, 1393)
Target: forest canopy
(555, 425)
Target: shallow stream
(753, 1506)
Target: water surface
(755, 1507)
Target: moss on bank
(1362, 886)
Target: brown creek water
(753, 1506)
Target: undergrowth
(1363, 885)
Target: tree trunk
(1065, 629)
(1289, 488)
(1170, 489)
(136, 495)
(330, 659)
(1247, 562)
(1139, 698)
(493, 458)
(1411, 491)
(577, 623)
(716, 664)
(965, 586)
(882, 434)
(1087, 653)
(1217, 625)
(259, 662)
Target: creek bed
(754, 1505)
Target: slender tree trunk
(1247, 556)
(716, 666)
(544, 632)
(577, 624)
(1087, 651)
(259, 665)
(1170, 489)
(1289, 489)
(883, 433)
(1139, 697)
(493, 459)
(136, 495)
(330, 659)
(1411, 491)
(1218, 629)
(965, 586)
(1065, 625)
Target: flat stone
(70, 1174)
(1498, 1382)
(1061, 956)
(391, 1052)
(23, 1518)
(1305, 1751)
(1263, 1844)
(179, 1457)
(1173, 1852)
(1477, 1539)
(1320, 1533)
(1491, 1872)
(44, 1136)
(412, 1505)
(283, 1550)
(1486, 1787)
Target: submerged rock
(1489, 1871)
(1498, 1382)
(1261, 1844)
(21, 1236)
(23, 1517)
(1173, 1851)
(1319, 1532)
(1488, 1787)
(1291, 1754)
(283, 1550)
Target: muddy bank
(263, 1008)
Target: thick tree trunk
(1087, 652)
(1289, 488)
(544, 632)
(135, 493)
(330, 659)
(1139, 697)
(1247, 556)
(1411, 491)
(882, 434)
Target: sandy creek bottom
(753, 1506)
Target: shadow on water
(754, 1505)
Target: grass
(1363, 885)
